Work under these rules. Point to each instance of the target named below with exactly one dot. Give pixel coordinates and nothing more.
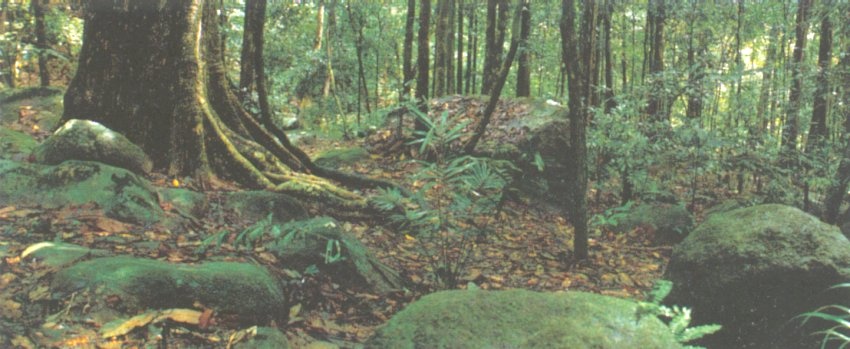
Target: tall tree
(498, 83)
(656, 18)
(442, 48)
(422, 65)
(459, 51)
(818, 129)
(246, 61)
(197, 126)
(38, 7)
(838, 190)
(407, 61)
(523, 73)
(579, 50)
(494, 39)
(357, 21)
(792, 121)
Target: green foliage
(267, 230)
(611, 216)
(838, 315)
(676, 317)
(462, 193)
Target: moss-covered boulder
(15, 145)
(241, 289)
(521, 319)
(668, 223)
(322, 242)
(336, 158)
(754, 269)
(255, 205)
(120, 193)
(90, 141)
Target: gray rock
(90, 141)
(754, 269)
(521, 319)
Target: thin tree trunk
(422, 58)
(579, 50)
(450, 46)
(41, 41)
(523, 77)
(656, 18)
(407, 61)
(320, 23)
(257, 30)
(246, 61)
(481, 127)
(818, 131)
(441, 48)
(459, 54)
(792, 123)
(495, 39)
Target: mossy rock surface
(242, 289)
(669, 223)
(356, 267)
(15, 145)
(521, 319)
(90, 141)
(255, 205)
(754, 269)
(336, 158)
(120, 193)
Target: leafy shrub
(676, 317)
(453, 210)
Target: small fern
(676, 317)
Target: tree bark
(153, 72)
(407, 57)
(523, 73)
(579, 51)
(494, 40)
(422, 64)
(499, 83)
(656, 17)
(248, 53)
(791, 129)
(442, 49)
(459, 53)
(818, 131)
(41, 41)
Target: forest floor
(525, 251)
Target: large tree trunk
(153, 72)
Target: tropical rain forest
(424, 174)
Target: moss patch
(521, 319)
(336, 158)
(233, 288)
(15, 145)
